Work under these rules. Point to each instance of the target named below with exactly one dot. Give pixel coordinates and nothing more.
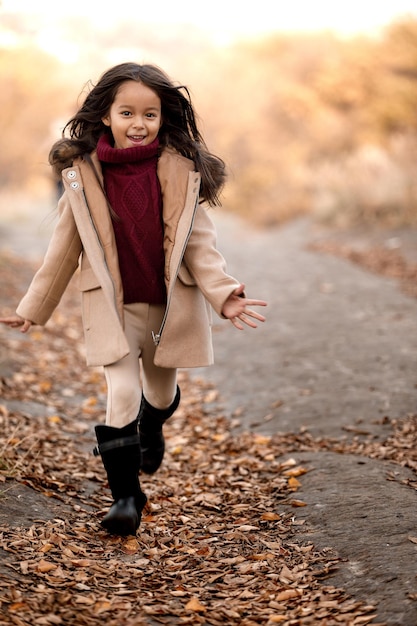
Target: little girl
(136, 174)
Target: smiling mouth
(137, 137)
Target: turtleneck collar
(108, 154)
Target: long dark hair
(179, 128)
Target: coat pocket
(87, 280)
(92, 296)
(186, 280)
(185, 277)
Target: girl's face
(135, 115)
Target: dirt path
(339, 347)
(337, 358)
(337, 355)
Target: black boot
(152, 441)
(121, 456)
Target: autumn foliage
(310, 124)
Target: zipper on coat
(157, 336)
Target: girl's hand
(235, 309)
(15, 321)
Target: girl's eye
(126, 113)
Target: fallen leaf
(131, 545)
(293, 483)
(195, 605)
(17, 606)
(297, 503)
(45, 566)
(262, 440)
(80, 562)
(54, 419)
(295, 471)
(45, 386)
(287, 595)
(271, 517)
(102, 607)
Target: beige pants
(136, 371)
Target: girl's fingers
(236, 323)
(256, 315)
(12, 322)
(244, 316)
(257, 302)
(17, 322)
(248, 322)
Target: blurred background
(313, 106)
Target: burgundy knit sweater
(134, 193)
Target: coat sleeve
(206, 264)
(60, 262)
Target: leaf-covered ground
(378, 258)
(219, 542)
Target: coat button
(74, 185)
(71, 174)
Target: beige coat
(195, 274)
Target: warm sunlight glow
(225, 20)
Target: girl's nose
(138, 122)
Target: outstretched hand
(235, 309)
(15, 321)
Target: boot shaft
(121, 456)
(152, 419)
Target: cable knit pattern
(133, 190)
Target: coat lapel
(92, 217)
